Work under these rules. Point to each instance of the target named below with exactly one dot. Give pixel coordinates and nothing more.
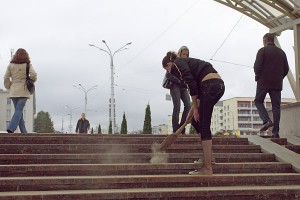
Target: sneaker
(275, 136)
(266, 125)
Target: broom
(170, 139)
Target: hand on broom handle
(170, 139)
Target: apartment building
(161, 129)
(7, 110)
(240, 114)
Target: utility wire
(159, 36)
(218, 49)
(231, 63)
(226, 37)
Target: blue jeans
(275, 96)
(209, 93)
(178, 94)
(17, 118)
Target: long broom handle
(170, 139)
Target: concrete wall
(290, 119)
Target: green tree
(110, 128)
(192, 130)
(42, 123)
(124, 125)
(99, 129)
(92, 130)
(147, 129)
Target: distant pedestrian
(270, 67)
(83, 125)
(178, 91)
(14, 81)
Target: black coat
(82, 126)
(270, 67)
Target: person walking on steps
(178, 91)
(206, 88)
(270, 67)
(83, 125)
(14, 81)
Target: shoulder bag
(29, 83)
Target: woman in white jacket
(14, 81)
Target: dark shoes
(275, 136)
(266, 125)
(9, 131)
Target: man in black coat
(83, 125)
(270, 67)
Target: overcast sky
(56, 35)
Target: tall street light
(112, 94)
(80, 87)
(71, 115)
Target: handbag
(167, 83)
(29, 83)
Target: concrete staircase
(52, 166)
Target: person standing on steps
(270, 68)
(83, 125)
(178, 92)
(206, 88)
(14, 81)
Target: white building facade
(161, 129)
(7, 111)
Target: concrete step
(108, 139)
(138, 169)
(280, 141)
(280, 192)
(294, 148)
(117, 148)
(46, 183)
(6, 159)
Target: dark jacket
(176, 82)
(82, 126)
(270, 67)
(191, 71)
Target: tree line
(43, 124)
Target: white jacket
(14, 79)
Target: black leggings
(209, 93)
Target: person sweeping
(206, 88)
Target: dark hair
(269, 37)
(170, 57)
(21, 56)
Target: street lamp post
(71, 115)
(80, 87)
(112, 94)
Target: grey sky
(56, 34)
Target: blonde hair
(181, 49)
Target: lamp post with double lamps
(80, 87)
(112, 95)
